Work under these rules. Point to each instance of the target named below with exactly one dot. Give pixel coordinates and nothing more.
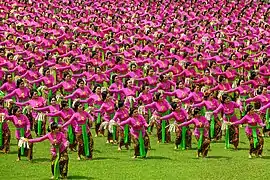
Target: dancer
(201, 132)
(22, 124)
(122, 114)
(140, 138)
(252, 131)
(183, 135)
(59, 143)
(4, 130)
(232, 132)
(161, 107)
(83, 134)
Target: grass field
(163, 162)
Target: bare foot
(119, 149)
(79, 158)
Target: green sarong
(254, 135)
(141, 143)
(183, 140)
(56, 170)
(21, 135)
(98, 115)
(85, 139)
(200, 142)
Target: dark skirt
(6, 141)
(43, 128)
(137, 144)
(122, 138)
(234, 135)
(72, 145)
(63, 163)
(259, 148)
(110, 135)
(27, 152)
(217, 131)
(178, 138)
(167, 132)
(79, 138)
(205, 147)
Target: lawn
(163, 162)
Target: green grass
(163, 162)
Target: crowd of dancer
(125, 67)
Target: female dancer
(122, 114)
(211, 104)
(83, 133)
(161, 107)
(22, 124)
(227, 108)
(65, 114)
(183, 135)
(59, 143)
(36, 119)
(4, 129)
(95, 100)
(254, 135)
(21, 92)
(8, 84)
(140, 138)
(200, 132)
(107, 112)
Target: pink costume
(228, 111)
(180, 116)
(195, 97)
(179, 93)
(68, 86)
(210, 105)
(56, 139)
(22, 94)
(160, 107)
(81, 118)
(263, 99)
(81, 93)
(137, 124)
(199, 122)
(107, 109)
(4, 124)
(251, 120)
(19, 122)
(34, 103)
(121, 115)
(8, 87)
(65, 115)
(47, 80)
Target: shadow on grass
(158, 157)
(242, 149)
(80, 177)
(105, 158)
(12, 152)
(219, 157)
(266, 157)
(35, 160)
(98, 151)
